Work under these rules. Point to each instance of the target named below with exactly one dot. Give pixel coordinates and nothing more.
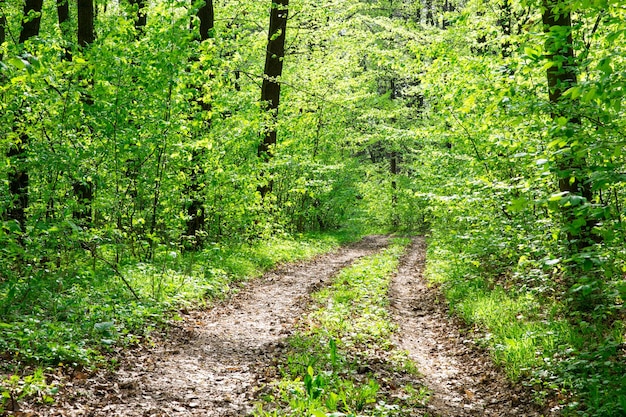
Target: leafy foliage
(412, 115)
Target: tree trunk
(30, 27)
(196, 211)
(393, 168)
(270, 89)
(142, 19)
(18, 175)
(63, 14)
(207, 20)
(86, 33)
(572, 180)
(83, 187)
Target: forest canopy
(139, 135)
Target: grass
(573, 365)
(342, 361)
(83, 314)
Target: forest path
(461, 376)
(210, 364)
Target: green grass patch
(342, 361)
(576, 365)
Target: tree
(270, 89)
(86, 33)
(195, 209)
(573, 182)
(83, 187)
(18, 175)
(63, 14)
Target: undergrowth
(84, 315)
(575, 362)
(342, 362)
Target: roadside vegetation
(573, 357)
(83, 317)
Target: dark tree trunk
(63, 14)
(141, 20)
(18, 181)
(207, 20)
(30, 27)
(83, 187)
(18, 175)
(86, 33)
(195, 209)
(270, 89)
(573, 181)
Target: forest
(158, 154)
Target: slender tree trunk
(63, 14)
(83, 187)
(18, 175)
(572, 179)
(3, 25)
(196, 211)
(270, 89)
(393, 168)
(142, 19)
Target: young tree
(18, 174)
(195, 209)
(573, 182)
(270, 89)
(83, 187)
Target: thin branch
(92, 250)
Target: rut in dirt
(461, 376)
(210, 363)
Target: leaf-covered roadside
(87, 321)
(341, 361)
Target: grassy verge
(576, 365)
(341, 362)
(80, 315)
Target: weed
(325, 371)
(75, 315)
(14, 388)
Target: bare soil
(463, 380)
(211, 362)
